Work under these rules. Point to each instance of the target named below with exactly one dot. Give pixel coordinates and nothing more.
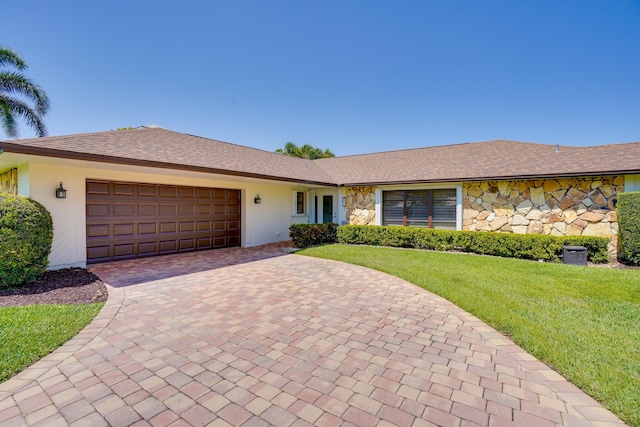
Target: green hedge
(26, 234)
(628, 210)
(306, 235)
(524, 246)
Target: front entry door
(327, 209)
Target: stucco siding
(263, 223)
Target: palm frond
(12, 107)
(17, 83)
(8, 122)
(9, 57)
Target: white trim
(318, 207)
(378, 219)
(459, 209)
(342, 209)
(294, 202)
(437, 186)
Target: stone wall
(560, 207)
(361, 205)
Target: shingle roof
(482, 161)
(157, 147)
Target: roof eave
(39, 151)
(491, 178)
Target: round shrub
(26, 233)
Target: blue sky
(351, 76)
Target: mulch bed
(66, 286)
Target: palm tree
(15, 88)
(305, 151)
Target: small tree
(305, 151)
(26, 234)
(628, 209)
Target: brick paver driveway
(256, 337)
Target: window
(420, 208)
(300, 203)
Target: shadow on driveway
(140, 270)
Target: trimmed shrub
(400, 237)
(26, 234)
(628, 210)
(524, 246)
(306, 235)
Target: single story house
(151, 191)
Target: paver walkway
(255, 337)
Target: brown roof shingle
(500, 159)
(159, 147)
(482, 160)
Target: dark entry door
(327, 209)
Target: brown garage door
(131, 220)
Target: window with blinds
(420, 208)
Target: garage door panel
(147, 248)
(186, 192)
(204, 193)
(147, 190)
(168, 191)
(147, 228)
(98, 230)
(168, 209)
(168, 247)
(203, 243)
(202, 209)
(187, 227)
(147, 209)
(187, 244)
(123, 189)
(187, 209)
(123, 230)
(203, 226)
(99, 253)
(219, 242)
(129, 220)
(168, 227)
(97, 187)
(98, 209)
(124, 209)
(124, 250)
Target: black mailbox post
(574, 255)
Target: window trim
(295, 203)
(457, 186)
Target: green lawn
(28, 333)
(584, 322)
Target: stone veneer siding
(581, 206)
(361, 205)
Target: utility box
(574, 255)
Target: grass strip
(583, 322)
(29, 333)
